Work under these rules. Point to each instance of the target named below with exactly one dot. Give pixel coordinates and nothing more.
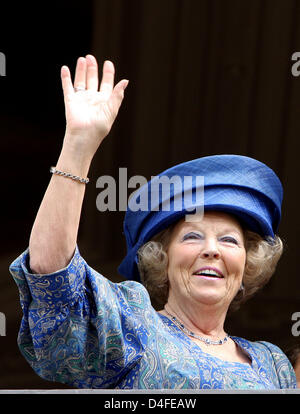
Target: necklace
(193, 335)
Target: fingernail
(109, 62)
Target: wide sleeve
(285, 374)
(78, 327)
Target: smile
(209, 272)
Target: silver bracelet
(53, 170)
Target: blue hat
(233, 184)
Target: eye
(229, 239)
(191, 236)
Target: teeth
(208, 272)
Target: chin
(210, 298)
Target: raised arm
(90, 113)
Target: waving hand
(90, 109)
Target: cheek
(182, 257)
(236, 263)
(180, 261)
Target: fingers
(107, 81)
(80, 74)
(66, 81)
(86, 77)
(91, 73)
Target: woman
(81, 329)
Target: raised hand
(90, 112)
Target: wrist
(73, 161)
(82, 143)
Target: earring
(241, 287)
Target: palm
(90, 112)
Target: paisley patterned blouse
(81, 329)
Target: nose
(210, 250)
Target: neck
(201, 319)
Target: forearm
(89, 117)
(54, 234)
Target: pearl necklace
(193, 335)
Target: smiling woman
(197, 271)
(81, 329)
(262, 257)
(218, 244)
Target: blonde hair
(262, 256)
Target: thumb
(118, 95)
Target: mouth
(209, 272)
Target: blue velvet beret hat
(233, 184)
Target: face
(206, 260)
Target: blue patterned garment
(81, 329)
